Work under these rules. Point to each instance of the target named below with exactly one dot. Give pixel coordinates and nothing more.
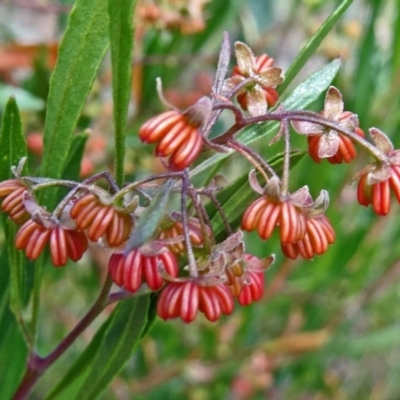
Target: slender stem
(56, 182)
(37, 365)
(190, 256)
(219, 208)
(94, 311)
(208, 144)
(124, 294)
(229, 106)
(29, 339)
(286, 161)
(61, 205)
(37, 285)
(204, 219)
(126, 189)
(251, 156)
(78, 185)
(217, 109)
(107, 176)
(312, 117)
(301, 115)
(235, 128)
(245, 82)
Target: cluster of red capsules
(216, 274)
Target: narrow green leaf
(4, 286)
(151, 314)
(80, 54)
(72, 170)
(12, 149)
(311, 46)
(316, 84)
(129, 320)
(365, 86)
(81, 364)
(13, 354)
(73, 163)
(151, 217)
(121, 41)
(396, 42)
(304, 94)
(12, 141)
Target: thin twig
(189, 251)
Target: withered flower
(376, 180)
(326, 142)
(259, 93)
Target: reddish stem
(37, 366)
(308, 116)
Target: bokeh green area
(327, 328)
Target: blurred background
(325, 329)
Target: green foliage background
(325, 329)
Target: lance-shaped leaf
(122, 335)
(81, 51)
(12, 149)
(73, 164)
(82, 363)
(73, 376)
(121, 42)
(150, 218)
(311, 46)
(12, 141)
(13, 354)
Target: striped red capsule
(101, 220)
(177, 134)
(378, 179)
(186, 299)
(319, 235)
(137, 267)
(253, 289)
(63, 243)
(378, 194)
(11, 191)
(264, 214)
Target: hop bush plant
(177, 247)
